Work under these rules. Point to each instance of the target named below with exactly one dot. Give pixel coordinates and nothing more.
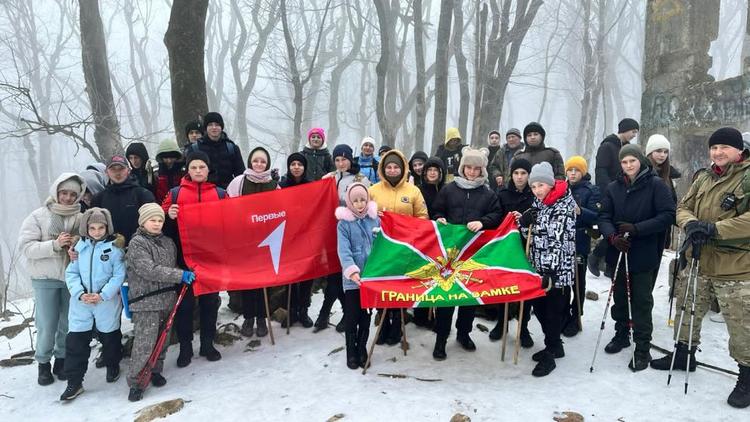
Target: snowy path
(297, 380)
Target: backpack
(175, 191)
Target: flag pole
(404, 344)
(374, 339)
(268, 316)
(288, 307)
(505, 333)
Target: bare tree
(97, 76)
(442, 59)
(421, 111)
(461, 66)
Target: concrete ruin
(680, 99)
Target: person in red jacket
(193, 188)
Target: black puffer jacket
(511, 199)
(319, 163)
(607, 162)
(430, 191)
(589, 199)
(460, 206)
(646, 203)
(123, 200)
(225, 156)
(145, 174)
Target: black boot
(352, 359)
(680, 361)
(593, 264)
(394, 331)
(341, 326)
(72, 391)
(640, 360)
(526, 341)
(45, 374)
(158, 380)
(556, 352)
(304, 319)
(247, 327)
(620, 341)
(740, 396)
(262, 328)
(385, 329)
(571, 327)
(113, 373)
(438, 353)
(186, 354)
(497, 332)
(208, 351)
(362, 334)
(545, 365)
(321, 323)
(59, 369)
(466, 342)
(135, 394)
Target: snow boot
(304, 319)
(352, 359)
(135, 394)
(497, 332)
(321, 323)
(209, 352)
(186, 354)
(72, 391)
(45, 374)
(59, 369)
(571, 328)
(680, 361)
(362, 334)
(466, 342)
(740, 396)
(394, 330)
(526, 341)
(545, 364)
(113, 373)
(593, 264)
(438, 353)
(247, 327)
(262, 329)
(158, 380)
(620, 341)
(640, 360)
(341, 326)
(556, 352)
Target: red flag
(261, 240)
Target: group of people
(104, 226)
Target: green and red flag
(418, 263)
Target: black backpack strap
(154, 293)
(221, 192)
(174, 193)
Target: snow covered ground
(297, 379)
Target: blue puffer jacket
(588, 198)
(355, 237)
(368, 167)
(100, 268)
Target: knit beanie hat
(343, 150)
(147, 211)
(395, 159)
(513, 131)
(542, 173)
(635, 151)
(384, 149)
(473, 157)
(577, 162)
(367, 140)
(356, 191)
(627, 124)
(194, 125)
(520, 163)
(259, 151)
(296, 156)
(727, 136)
(73, 184)
(655, 142)
(494, 132)
(197, 155)
(534, 127)
(213, 117)
(96, 216)
(317, 130)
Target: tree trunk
(461, 68)
(97, 77)
(441, 73)
(419, 124)
(184, 39)
(381, 70)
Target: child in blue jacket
(94, 281)
(355, 236)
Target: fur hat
(542, 173)
(577, 162)
(148, 210)
(627, 124)
(473, 157)
(213, 117)
(96, 215)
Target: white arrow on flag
(274, 241)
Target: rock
(160, 410)
(335, 417)
(482, 328)
(567, 416)
(13, 330)
(458, 417)
(227, 334)
(592, 295)
(9, 363)
(26, 354)
(252, 344)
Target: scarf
(59, 213)
(258, 177)
(465, 183)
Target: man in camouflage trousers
(715, 214)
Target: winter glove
(620, 242)
(188, 277)
(529, 217)
(697, 229)
(623, 228)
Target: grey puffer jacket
(152, 265)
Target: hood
(100, 167)
(95, 181)
(419, 155)
(137, 148)
(451, 133)
(557, 192)
(344, 213)
(168, 148)
(404, 174)
(63, 177)
(438, 163)
(83, 228)
(265, 151)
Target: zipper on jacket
(200, 187)
(91, 268)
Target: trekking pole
(505, 333)
(675, 271)
(578, 296)
(144, 377)
(268, 316)
(679, 322)
(288, 306)
(692, 319)
(606, 308)
(631, 332)
(518, 335)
